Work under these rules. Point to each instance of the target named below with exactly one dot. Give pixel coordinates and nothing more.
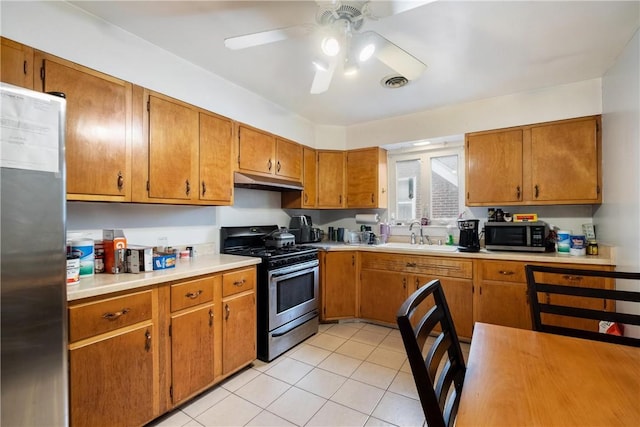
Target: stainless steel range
(287, 294)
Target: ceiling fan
(337, 26)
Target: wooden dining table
(518, 377)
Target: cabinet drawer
(573, 280)
(191, 293)
(431, 265)
(238, 281)
(87, 320)
(503, 271)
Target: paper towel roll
(367, 218)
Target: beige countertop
(102, 284)
(605, 256)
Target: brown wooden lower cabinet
(111, 379)
(121, 357)
(339, 284)
(381, 294)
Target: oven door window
(293, 291)
(291, 295)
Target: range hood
(257, 182)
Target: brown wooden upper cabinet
(264, 153)
(98, 128)
(550, 163)
(216, 159)
(307, 198)
(367, 178)
(16, 63)
(183, 154)
(331, 179)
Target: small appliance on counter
(469, 241)
(303, 231)
(518, 236)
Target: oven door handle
(291, 328)
(293, 271)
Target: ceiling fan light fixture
(330, 46)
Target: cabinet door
(459, 295)
(366, 178)
(381, 294)
(503, 303)
(331, 179)
(97, 130)
(173, 149)
(238, 332)
(494, 167)
(307, 198)
(16, 62)
(310, 192)
(192, 351)
(565, 162)
(288, 159)
(216, 154)
(111, 380)
(256, 150)
(338, 285)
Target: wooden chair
(548, 301)
(439, 396)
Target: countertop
(605, 256)
(102, 284)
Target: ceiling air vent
(394, 81)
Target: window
(426, 184)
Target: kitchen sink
(426, 248)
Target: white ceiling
(473, 50)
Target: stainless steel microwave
(516, 236)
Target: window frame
(424, 156)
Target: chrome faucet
(422, 235)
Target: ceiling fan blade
(265, 37)
(322, 79)
(395, 57)
(381, 9)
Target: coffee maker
(469, 240)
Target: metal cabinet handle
(24, 67)
(227, 312)
(204, 188)
(506, 273)
(187, 187)
(412, 264)
(278, 166)
(306, 198)
(120, 181)
(116, 315)
(404, 283)
(572, 278)
(372, 199)
(147, 341)
(537, 191)
(340, 199)
(193, 295)
(518, 192)
(239, 282)
(269, 165)
(211, 317)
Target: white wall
(617, 220)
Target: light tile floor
(349, 374)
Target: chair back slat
(579, 302)
(439, 390)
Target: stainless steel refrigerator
(33, 259)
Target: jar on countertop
(592, 247)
